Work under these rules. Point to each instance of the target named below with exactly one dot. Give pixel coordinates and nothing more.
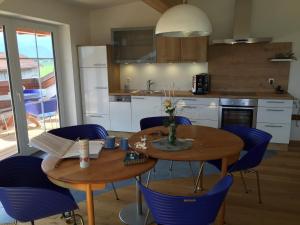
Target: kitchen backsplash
(161, 74)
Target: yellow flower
(168, 103)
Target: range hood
(242, 26)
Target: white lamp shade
(183, 21)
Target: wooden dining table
(208, 144)
(108, 168)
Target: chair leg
(244, 182)
(258, 186)
(148, 178)
(32, 222)
(115, 191)
(147, 217)
(171, 166)
(199, 178)
(191, 168)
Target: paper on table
(95, 148)
(62, 147)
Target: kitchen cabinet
(144, 106)
(274, 117)
(193, 49)
(200, 111)
(167, 49)
(120, 116)
(94, 85)
(133, 45)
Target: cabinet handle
(100, 88)
(275, 126)
(189, 107)
(275, 110)
(99, 64)
(189, 99)
(138, 98)
(95, 116)
(279, 102)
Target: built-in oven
(240, 112)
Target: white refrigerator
(94, 85)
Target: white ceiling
(99, 3)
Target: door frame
(10, 25)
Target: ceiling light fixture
(183, 20)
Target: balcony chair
(155, 121)
(85, 131)
(256, 143)
(187, 210)
(27, 195)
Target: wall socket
(271, 81)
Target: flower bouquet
(170, 122)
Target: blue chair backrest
(181, 210)
(156, 121)
(38, 108)
(21, 171)
(26, 192)
(256, 142)
(85, 131)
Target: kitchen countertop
(213, 94)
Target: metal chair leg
(115, 191)
(199, 178)
(258, 186)
(32, 222)
(244, 182)
(191, 168)
(148, 178)
(171, 166)
(147, 217)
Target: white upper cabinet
(92, 56)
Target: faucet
(149, 83)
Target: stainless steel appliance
(237, 112)
(201, 84)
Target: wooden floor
(280, 180)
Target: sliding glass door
(32, 106)
(8, 140)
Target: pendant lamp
(183, 20)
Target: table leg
(90, 205)
(221, 216)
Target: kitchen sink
(146, 92)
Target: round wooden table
(208, 144)
(108, 168)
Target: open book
(62, 147)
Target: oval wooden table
(208, 144)
(108, 168)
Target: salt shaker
(84, 153)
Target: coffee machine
(201, 84)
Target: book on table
(62, 147)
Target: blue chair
(26, 193)
(256, 143)
(182, 210)
(156, 121)
(85, 131)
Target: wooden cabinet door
(194, 49)
(167, 49)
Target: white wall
(74, 30)
(163, 75)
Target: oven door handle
(234, 107)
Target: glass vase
(172, 134)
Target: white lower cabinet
(274, 117)
(120, 116)
(102, 120)
(206, 123)
(144, 106)
(280, 132)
